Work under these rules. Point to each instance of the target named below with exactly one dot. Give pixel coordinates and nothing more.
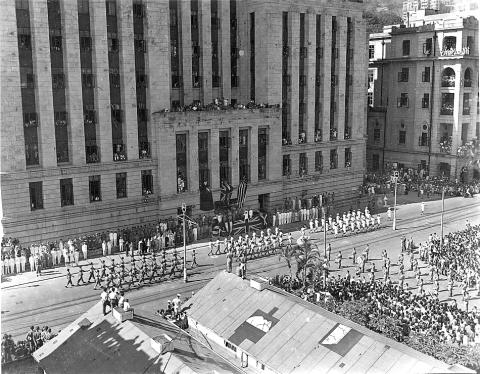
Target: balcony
(448, 81)
(446, 110)
(92, 154)
(286, 140)
(144, 150)
(302, 137)
(348, 133)
(333, 134)
(319, 168)
(119, 152)
(303, 172)
(445, 144)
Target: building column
(205, 28)
(268, 70)
(186, 48)
(235, 159)
(243, 60)
(224, 49)
(214, 157)
(167, 159)
(43, 88)
(359, 78)
(128, 84)
(326, 30)
(12, 141)
(73, 77)
(341, 71)
(253, 150)
(157, 61)
(293, 67)
(192, 154)
(310, 43)
(98, 29)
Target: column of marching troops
(136, 271)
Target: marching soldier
(80, 277)
(98, 280)
(92, 273)
(69, 279)
(194, 258)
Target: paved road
(27, 300)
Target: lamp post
(324, 234)
(185, 279)
(395, 179)
(443, 209)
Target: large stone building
(424, 105)
(93, 131)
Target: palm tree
(287, 252)
(307, 257)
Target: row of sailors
(344, 224)
(269, 240)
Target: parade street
(28, 300)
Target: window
(447, 104)
(403, 75)
(348, 157)
(376, 162)
(121, 181)
(402, 101)
(56, 43)
(94, 188)
(147, 182)
(140, 44)
(111, 8)
(370, 98)
(406, 48)
(370, 78)
(318, 161)
(112, 42)
(448, 77)
(24, 41)
(402, 136)
(466, 104)
(467, 78)
(230, 346)
(376, 135)
(470, 44)
(58, 81)
(27, 78)
(427, 47)
(66, 192)
(303, 165)
(138, 11)
(21, 4)
(83, 7)
(36, 195)
(286, 166)
(85, 43)
(449, 42)
(88, 79)
(333, 159)
(423, 140)
(426, 74)
(426, 101)
(371, 51)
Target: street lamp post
(395, 179)
(324, 234)
(185, 279)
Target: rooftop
(101, 344)
(290, 335)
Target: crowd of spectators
(417, 181)
(219, 104)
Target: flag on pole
(242, 192)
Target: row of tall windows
(204, 171)
(94, 189)
(214, 35)
(27, 80)
(303, 167)
(233, 44)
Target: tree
(307, 258)
(287, 253)
(376, 20)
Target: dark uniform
(92, 273)
(194, 258)
(69, 278)
(80, 277)
(104, 269)
(98, 280)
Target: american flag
(242, 192)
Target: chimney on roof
(258, 283)
(162, 344)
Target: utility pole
(324, 234)
(395, 179)
(185, 279)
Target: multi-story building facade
(94, 135)
(425, 100)
(412, 7)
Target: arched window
(467, 78)
(448, 78)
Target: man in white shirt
(126, 305)
(176, 304)
(104, 298)
(84, 250)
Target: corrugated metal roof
(108, 346)
(295, 336)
